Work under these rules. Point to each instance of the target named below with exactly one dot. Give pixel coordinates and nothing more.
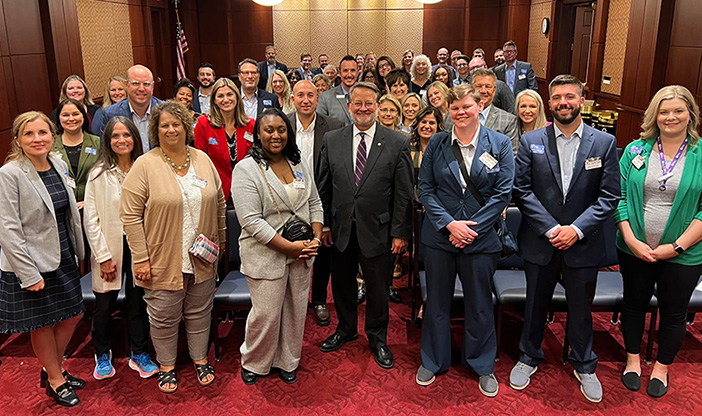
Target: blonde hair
(287, 92)
(106, 99)
(393, 100)
(86, 100)
(460, 92)
(413, 68)
(176, 109)
(216, 118)
(649, 126)
(18, 126)
(417, 97)
(540, 117)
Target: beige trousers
(276, 322)
(167, 307)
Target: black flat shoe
(383, 356)
(335, 341)
(63, 395)
(75, 382)
(656, 388)
(631, 381)
(288, 376)
(248, 377)
(394, 296)
(361, 297)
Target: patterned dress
(22, 310)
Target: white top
(192, 203)
(250, 104)
(204, 101)
(468, 152)
(293, 193)
(369, 134)
(305, 141)
(142, 125)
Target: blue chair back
(233, 232)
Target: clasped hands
(563, 237)
(461, 233)
(644, 252)
(303, 249)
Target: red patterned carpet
(348, 382)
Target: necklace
(172, 163)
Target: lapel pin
(379, 144)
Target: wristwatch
(677, 248)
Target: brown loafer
(321, 315)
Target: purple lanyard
(669, 169)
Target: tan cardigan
(151, 209)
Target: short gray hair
(363, 84)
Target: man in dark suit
(365, 183)
(206, 78)
(310, 129)
(266, 68)
(306, 71)
(516, 74)
(333, 103)
(255, 99)
(567, 185)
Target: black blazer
(263, 72)
(322, 125)
(382, 203)
(266, 100)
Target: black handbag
(295, 229)
(509, 243)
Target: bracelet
(320, 241)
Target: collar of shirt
(473, 142)
(199, 92)
(486, 112)
(512, 67)
(370, 134)
(560, 134)
(148, 110)
(344, 90)
(253, 97)
(310, 128)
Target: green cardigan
(88, 157)
(687, 204)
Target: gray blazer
(29, 234)
(259, 217)
(332, 103)
(505, 123)
(504, 98)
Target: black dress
(22, 310)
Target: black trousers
(137, 317)
(479, 336)
(344, 288)
(320, 275)
(675, 285)
(580, 284)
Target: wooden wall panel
(615, 45)
(538, 50)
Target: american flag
(181, 48)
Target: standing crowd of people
(324, 167)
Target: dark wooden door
(582, 30)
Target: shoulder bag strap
(466, 177)
(271, 191)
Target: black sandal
(165, 378)
(203, 370)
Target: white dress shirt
(250, 104)
(369, 134)
(142, 125)
(305, 141)
(204, 101)
(468, 152)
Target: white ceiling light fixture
(270, 2)
(429, 1)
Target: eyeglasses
(146, 84)
(462, 65)
(388, 111)
(248, 73)
(506, 51)
(384, 65)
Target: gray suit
(505, 123)
(29, 234)
(504, 98)
(322, 125)
(332, 103)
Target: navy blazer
(441, 194)
(263, 72)
(266, 100)
(592, 197)
(121, 108)
(196, 103)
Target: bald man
(310, 128)
(137, 106)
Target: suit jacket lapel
(348, 157)
(551, 151)
(452, 163)
(320, 126)
(278, 188)
(374, 150)
(491, 119)
(477, 167)
(586, 143)
(342, 101)
(38, 184)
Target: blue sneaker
(103, 367)
(143, 364)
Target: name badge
(638, 162)
(298, 183)
(488, 160)
(213, 141)
(665, 177)
(91, 150)
(200, 183)
(340, 96)
(593, 163)
(70, 182)
(537, 148)
(267, 102)
(248, 137)
(522, 76)
(636, 150)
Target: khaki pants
(167, 307)
(276, 322)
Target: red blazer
(213, 141)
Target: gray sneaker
(488, 385)
(590, 386)
(521, 375)
(424, 376)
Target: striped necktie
(360, 158)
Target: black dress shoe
(248, 377)
(73, 381)
(631, 381)
(335, 341)
(656, 388)
(288, 376)
(383, 356)
(63, 395)
(361, 296)
(394, 296)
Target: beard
(575, 111)
(206, 83)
